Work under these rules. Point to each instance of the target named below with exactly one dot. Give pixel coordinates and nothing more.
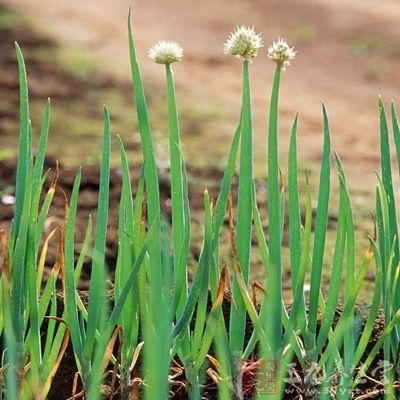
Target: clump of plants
(160, 329)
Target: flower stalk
(280, 53)
(244, 216)
(274, 279)
(244, 42)
(178, 219)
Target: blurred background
(77, 54)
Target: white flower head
(243, 42)
(280, 53)
(166, 52)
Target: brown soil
(347, 55)
(75, 130)
(88, 197)
(198, 180)
(61, 388)
(87, 205)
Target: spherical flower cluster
(281, 53)
(243, 42)
(166, 52)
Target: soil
(51, 74)
(61, 388)
(63, 381)
(347, 55)
(88, 203)
(198, 180)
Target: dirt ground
(77, 54)
(347, 54)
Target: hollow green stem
(176, 188)
(244, 216)
(273, 323)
